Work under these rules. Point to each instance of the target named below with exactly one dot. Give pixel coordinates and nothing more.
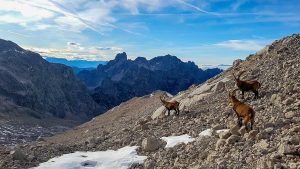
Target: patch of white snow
(174, 140)
(122, 158)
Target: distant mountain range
(121, 79)
(77, 65)
(220, 66)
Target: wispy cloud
(196, 7)
(15, 33)
(243, 45)
(74, 51)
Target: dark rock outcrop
(32, 86)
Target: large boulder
(159, 112)
(151, 144)
(18, 155)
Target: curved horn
(161, 98)
(233, 92)
(239, 75)
(234, 76)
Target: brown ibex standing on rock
(243, 111)
(247, 85)
(173, 105)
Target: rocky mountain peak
(166, 58)
(140, 60)
(121, 57)
(26, 85)
(6, 45)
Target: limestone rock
(151, 144)
(225, 135)
(252, 134)
(289, 114)
(235, 130)
(232, 139)
(18, 155)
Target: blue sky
(203, 31)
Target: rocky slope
(34, 91)
(274, 142)
(121, 79)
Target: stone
(252, 134)
(278, 166)
(145, 127)
(289, 114)
(149, 164)
(220, 143)
(263, 144)
(225, 135)
(235, 130)
(237, 62)
(242, 130)
(151, 144)
(284, 149)
(293, 165)
(295, 139)
(159, 112)
(288, 101)
(266, 133)
(18, 155)
(220, 86)
(143, 120)
(276, 99)
(232, 139)
(261, 163)
(217, 127)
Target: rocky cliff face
(122, 79)
(273, 143)
(31, 85)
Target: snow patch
(121, 159)
(207, 132)
(174, 140)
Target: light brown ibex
(243, 111)
(173, 105)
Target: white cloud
(70, 23)
(74, 51)
(134, 6)
(73, 16)
(26, 10)
(243, 45)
